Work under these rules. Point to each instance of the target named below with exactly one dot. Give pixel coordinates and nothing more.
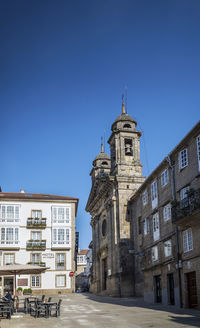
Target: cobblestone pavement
(86, 310)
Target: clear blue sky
(63, 67)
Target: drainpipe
(177, 231)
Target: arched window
(104, 163)
(127, 126)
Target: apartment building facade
(39, 229)
(164, 215)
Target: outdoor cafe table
(48, 306)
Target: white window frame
(156, 227)
(145, 197)
(168, 248)
(146, 226)
(154, 194)
(9, 213)
(61, 215)
(165, 177)
(187, 240)
(183, 158)
(154, 253)
(61, 236)
(167, 212)
(183, 192)
(9, 236)
(198, 150)
(35, 281)
(9, 258)
(59, 282)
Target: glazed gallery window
(154, 194)
(35, 281)
(164, 178)
(60, 281)
(183, 158)
(167, 212)
(187, 240)
(168, 248)
(9, 213)
(183, 192)
(81, 259)
(154, 253)
(60, 236)
(145, 197)
(9, 236)
(9, 259)
(61, 214)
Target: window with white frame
(154, 253)
(154, 194)
(36, 235)
(9, 213)
(9, 258)
(60, 214)
(168, 248)
(187, 240)
(36, 214)
(60, 236)
(9, 236)
(36, 257)
(60, 281)
(81, 259)
(146, 226)
(164, 177)
(198, 150)
(184, 192)
(60, 260)
(167, 212)
(145, 197)
(35, 281)
(156, 228)
(183, 159)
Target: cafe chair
(55, 309)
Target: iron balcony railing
(36, 244)
(36, 223)
(186, 206)
(41, 264)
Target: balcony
(41, 264)
(36, 223)
(36, 244)
(186, 206)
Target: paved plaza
(86, 310)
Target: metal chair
(49, 299)
(55, 308)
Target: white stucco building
(39, 229)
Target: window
(145, 197)
(35, 281)
(9, 236)
(81, 259)
(154, 253)
(9, 213)
(167, 212)
(36, 235)
(187, 240)
(164, 178)
(146, 226)
(139, 225)
(198, 150)
(154, 194)
(156, 230)
(60, 214)
(183, 192)
(60, 281)
(60, 236)
(128, 147)
(9, 258)
(36, 214)
(60, 261)
(36, 258)
(168, 248)
(183, 159)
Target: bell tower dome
(125, 146)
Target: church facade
(115, 179)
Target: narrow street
(86, 310)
